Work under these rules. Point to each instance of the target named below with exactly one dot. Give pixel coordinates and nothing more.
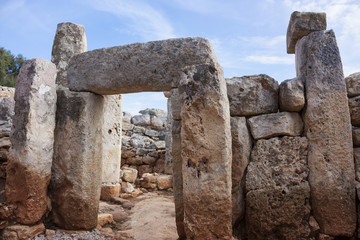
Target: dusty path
(152, 218)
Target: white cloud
(263, 59)
(147, 22)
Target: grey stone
(126, 117)
(138, 129)
(356, 137)
(353, 84)
(141, 120)
(302, 24)
(32, 140)
(252, 95)
(168, 138)
(291, 95)
(70, 39)
(354, 106)
(111, 139)
(241, 149)
(151, 66)
(277, 199)
(176, 104)
(208, 216)
(127, 126)
(140, 141)
(276, 124)
(158, 145)
(328, 129)
(76, 170)
(154, 112)
(158, 123)
(7, 105)
(151, 133)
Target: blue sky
(248, 36)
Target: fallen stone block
(129, 174)
(32, 139)
(252, 95)
(302, 24)
(276, 124)
(164, 182)
(353, 84)
(108, 191)
(291, 95)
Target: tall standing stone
(168, 137)
(241, 149)
(32, 138)
(77, 165)
(206, 153)
(111, 140)
(328, 129)
(70, 39)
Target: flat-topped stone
(252, 95)
(291, 95)
(151, 66)
(301, 24)
(276, 124)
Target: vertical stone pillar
(206, 153)
(168, 137)
(77, 165)
(70, 39)
(241, 149)
(328, 129)
(111, 139)
(32, 138)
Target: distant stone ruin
(249, 158)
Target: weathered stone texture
(357, 163)
(301, 24)
(276, 124)
(278, 193)
(241, 149)
(291, 95)
(77, 165)
(70, 39)
(354, 106)
(178, 178)
(252, 95)
(353, 84)
(176, 104)
(206, 167)
(168, 138)
(111, 139)
(328, 129)
(22, 232)
(356, 137)
(7, 103)
(151, 66)
(32, 139)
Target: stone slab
(291, 95)
(32, 139)
(276, 124)
(151, 66)
(70, 39)
(77, 165)
(206, 153)
(252, 95)
(241, 149)
(301, 24)
(328, 129)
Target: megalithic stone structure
(206, 153)
(32, 138)
(327, 127)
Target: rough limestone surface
(70, 39)
(276, 124)
(32, 139)
(151, 66)
(176, 104)
(206, 166)
(111, 140)
(291, 95)
(252, 95)
(357, 163)
(277, 199)
(353, 84)
(328, 129)
(77, 165)
(356, 137)
(241, 149)
(22, 232)
(354, 106)
(301, 24)
(168, 138)
(178, 177)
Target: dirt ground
(152, 218)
